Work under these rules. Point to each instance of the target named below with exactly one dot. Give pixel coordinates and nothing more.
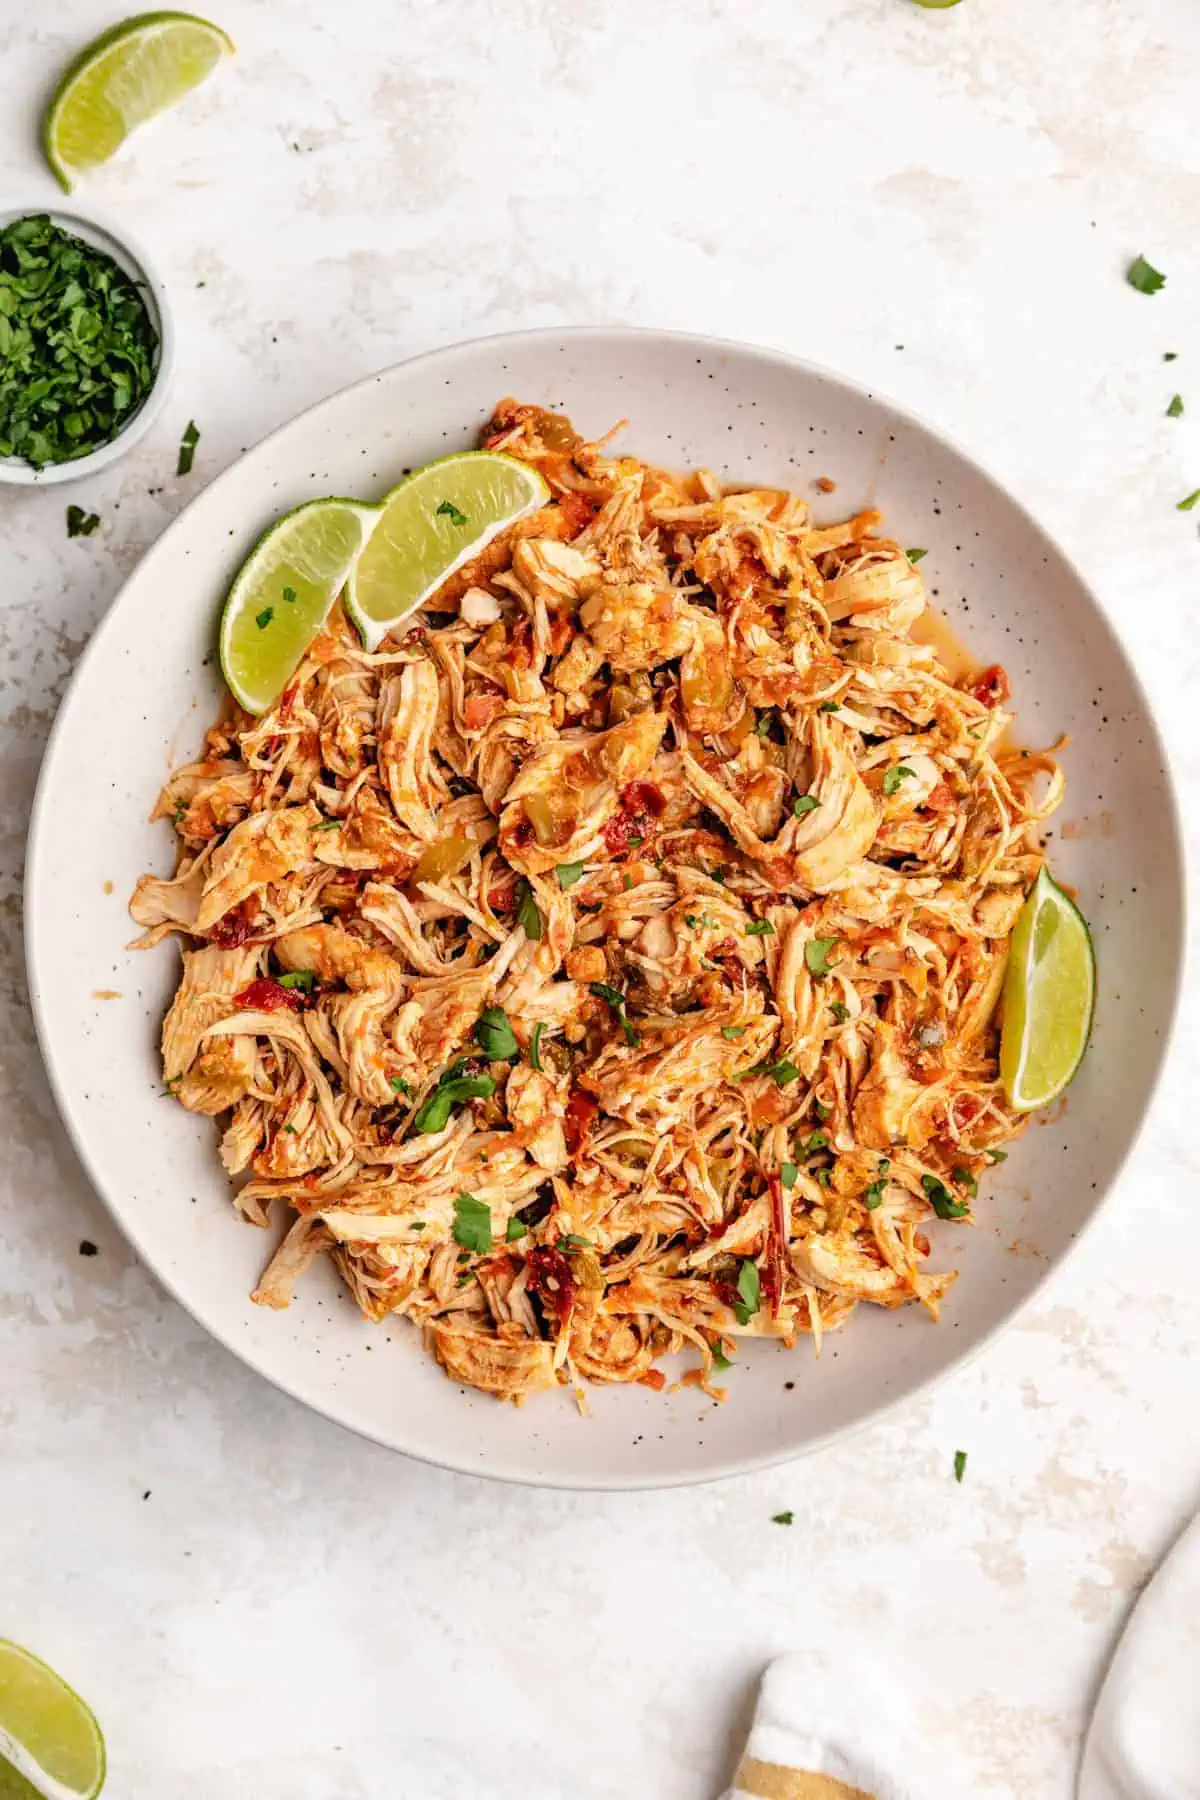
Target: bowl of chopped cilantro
(85, 346)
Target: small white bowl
(130, 257)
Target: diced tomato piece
(643, 797)
(577, 1120)
(992, 687)
(232, 929)
(577, 512)
(265, 995)
(549, 1275)
(480, 709)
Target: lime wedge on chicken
(432, 524)
(282, 594)
(1049, 996)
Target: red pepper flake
(581, 1109)
(265, 995)
(549, 1274)
(992, 687)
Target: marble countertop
(259, 1606)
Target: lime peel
(1049, 997)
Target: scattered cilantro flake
(1144, 277)
(781, 1073)
(613, 998)
(568, 874)
(434, 1113)
(822, 1111)
(783, 1518)
(760, 928)
(495, 1035)
(749, 1293)
(1187, 505)
(516, 1228)
(450, 511)
(263, 619)
(535, 1046)
(79, 523)
(804, 803)
(733, 1031)
(78, 351)
(399, 1084)
(304, 979)
(328, 825)
(787, 1174)
(815, 1141)
(187, 449)
(289, 594)
(996, 1156)
(822, 1177)
(894, 776)
(528, 916)
(816, 955)
(472, 1225)
(1175, 410)
(840, 1012)
(960, 1465)
(942, 1200)
(763, 723)
(965, 1179)
(1170, 355)
(830, 706)
(914, 556)
(720, 1360)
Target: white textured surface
(293, 1615)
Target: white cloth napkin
(1144, 1742)
(832, 1731)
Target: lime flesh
(1049, 997)
(123, 78)
(282, 594)
(50, 1743)
(430, 526)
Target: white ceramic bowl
(116, 242)
(750, 415)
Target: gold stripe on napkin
(771, 1781)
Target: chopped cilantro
(535, 1046)
(494, 1035)
(720, 1360)
(804, 803)
(1144, 277)
(1187, 505)
(472, 1225)
(830, 706)
(822, 1111)
(263, 619)
(894, 776)
(289, 594)
(398, 1082)
(528, 916)
(760, 928)
(996, 1156)
(781, 1073)
(733, 1031)
(749, 1293)
(79, 523)
(434, 1113)
(568, 874)
(763, 723)
(783, 1518)
(613, 998)
(942, 1200)
(816, 955)
(815, 1141)
(187, 449)
(914, 556)
(787, 1174)
(1175, 410)
(450, 511)
(965, 1179)
(960, 1465)
(841, 1013)
(516, 1228)
(305, 979)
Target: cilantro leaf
(781, 1073)
(914, 556)
(450, 511)
(494, 1035)
(720, 1360)
(942, 1200)
(289, 594)
(187, 449)
(305, 979)
(960, 1465)
(783, 1518)
(733, 1031)
(568, 874)
(263, 619)
(398, 1082)
(816, 955)
(749, 1293)
(830, 706)
(528, 916)
(1187, 505)
(840, 1012)
(472, 1224)
(788, 1173)
(535, 1046)
(760, 928)
(894, 776)
(516, 1228)
(613, 998)
(434, 1113)
(1144, 277)
(79, 523)
(1175, 410)
(822, 1111)
(804, 803)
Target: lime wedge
(122, 79)
(1049, 995)
(431, 525)
(282, 594)
(48, 1735)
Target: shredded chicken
(608, 965)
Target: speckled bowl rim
(511, 1471)
(113, 240)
